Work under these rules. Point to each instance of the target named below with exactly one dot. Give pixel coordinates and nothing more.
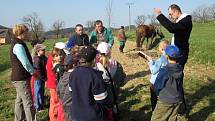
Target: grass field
(134, 104)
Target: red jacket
(51, 77)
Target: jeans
(24, 108)
(38, 94)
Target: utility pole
(129, 14)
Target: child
(40, 61)
(88, 89)
(109, 67)
(169, 87)
(54, 57)
(63, 90)
(121, 38)
(154, 67)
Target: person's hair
(75, 50)
(79, 25)
(104, 59)
(172, 58)
(163, 43)
(175, 7)
(56, 51)
(98, 22)
(19, 29)
(122, 27)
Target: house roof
(3, 32)
(3, 27)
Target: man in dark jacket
(79, 38)
(169, 87)
(180, 26)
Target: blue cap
(172, 51)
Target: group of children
(74, 84)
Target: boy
(88, 88)
(40, 61)
(168, 85)
(63, 89)
(154, 67)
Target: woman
(22, 70)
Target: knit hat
(61, 45)
(104, 47)
(69, 60)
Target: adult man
(22, 69)
(180, 26)
(79, 38)
(88, 89)
(101, 34)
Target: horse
(148, 32)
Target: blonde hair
(103, 59)
(163, 44)
(19, 29)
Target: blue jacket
(169, 83)
(155, 66)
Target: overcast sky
(80, 11)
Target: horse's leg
(141, 42)
(138, 41)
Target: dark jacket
(181, 31)
(88, 94)
(64, 93)
(80, 40)
(40, 65)
(169, 83)
(18, 71)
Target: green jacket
(108, 36)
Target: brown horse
(148, 32)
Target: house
(5, 35)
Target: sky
(73, 12)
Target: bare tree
(35, 25)
(212, 12)
(57, 26)
(109, 12)
(152, 18)
(201, 14)
(141, 19)
(90, 25)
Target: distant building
(5, 36)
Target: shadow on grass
(126, 112)
(137, 75)
(4, 67)
(203, 92)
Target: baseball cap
(39, 47)
(61, 45)
(172, 51)
(88, 53)
(69, 60)
(104, 47)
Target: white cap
(62, 45)
(104, 47)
